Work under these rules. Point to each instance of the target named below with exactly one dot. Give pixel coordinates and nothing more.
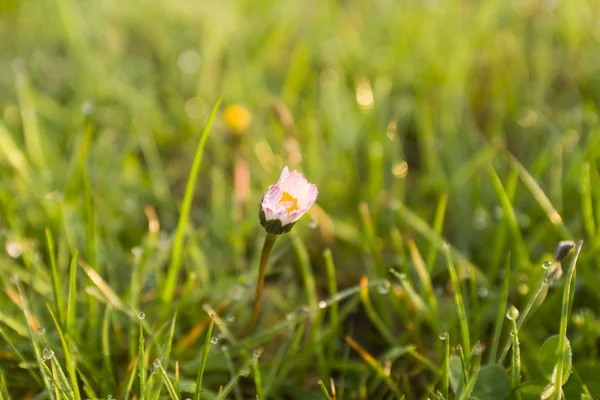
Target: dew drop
(109, 397)
(230, 318)
(245, 372)
(137, 251)
(384, 288)
(141, 315)
(483, 292)
(41, 331)
(320, 382)
(547, 264)
(313, 223)
(512, 313)
(213, 316)
(322, 304)
(88, 108)
(443, 336)
(13, 249)
(156, 363)
(214, 340)
(289, 316)
(48, 353)
(458, 347)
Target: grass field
(454, 143)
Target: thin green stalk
(59, 303)
(446, 365)
(501, 312)
(324, 390)
(544, 282)
(204, 358)
(460, 306)
(69, 361)
(564, 318)
(168, 289)
(168, 384)
(262, 272)
(438, 226)
(515, 370)
(71, 299)
(142, 363)
(333, 291)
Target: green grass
(454, 145)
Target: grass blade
(204, 358)
(72, 298)
(564, 318)
(69, 361)
(168, 289)
(142, 363)
(460, 306)
(168, 384)
(501, 312)
(56, 289)
(371, 362)
(509, 212)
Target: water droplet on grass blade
(546, 264)
(322, 304)
(156, 363)
(512, 313)
(41, 331)
(245, 372)
(214, 340)
(443, 336)
(141, 315)
(482, 292)
(47, 353)
(384, 288)
(313, 223)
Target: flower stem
(262, 271)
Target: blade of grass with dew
(438, 226)
(204, 358)
(542, 287)
(413, 296)
(423, 273)
(168, 383)
(166, 353)
(19, 356)
(56, 289)
(372, 313)
(373, 364)
(460, 306)
(142, 362)
(446, 365)
(69, 361)
(501, 312)
(276, 364)
(36, 348)
(436, 240)
(539, 196)
(564, 318)
(168, 289)
(509, 212)
(59, 390)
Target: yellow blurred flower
(237, 118)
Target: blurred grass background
(421, 122)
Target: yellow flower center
(286, 197)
